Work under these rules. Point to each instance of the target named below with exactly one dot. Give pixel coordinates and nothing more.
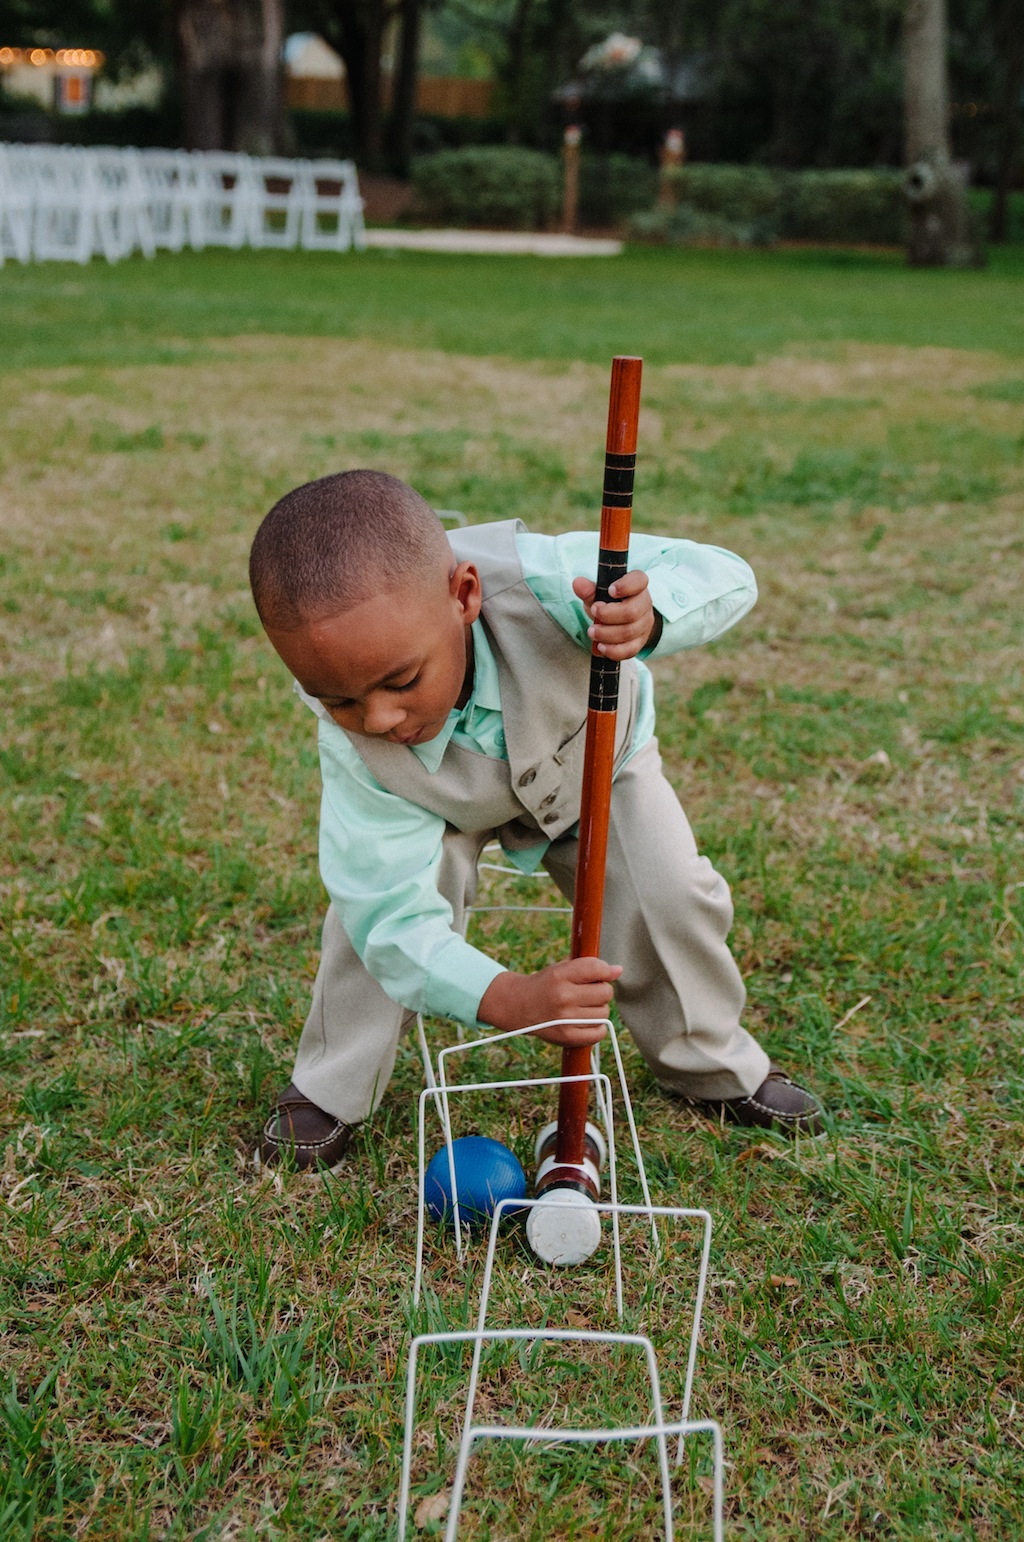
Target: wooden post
(673, 154)
(571, 182)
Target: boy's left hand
(625, 624)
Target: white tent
(307, 56)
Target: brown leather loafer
(778, 1104)
(300, 1135)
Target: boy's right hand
(579, 987)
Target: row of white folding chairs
(214, 198)
(59, 202)
(71, 202)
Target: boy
(450, 677)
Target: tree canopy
(787, 82)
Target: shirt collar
(312, 703)
(484, 697)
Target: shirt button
(547, 802)
(527, 777)
(499, 739)
(550, 819)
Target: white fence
(69, 203)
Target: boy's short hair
(333, 543)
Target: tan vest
(543, 677)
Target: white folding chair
(63, 225)
(17, 202)
(280, 191)
(225, 197)
(173, 198)
(332, 217)
(117, 199)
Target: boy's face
(395, 665)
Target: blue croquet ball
(485, 1173)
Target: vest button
(527, 777)
(547, 802)
(550, 819)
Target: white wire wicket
(439, 1092)
(657, 1427)
(646, 1211)
(72, 202)
(652, 1423)
(534, 908)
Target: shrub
(612, 187)
(746, 195)
(846, 206)
(488, 185)
(752, 205)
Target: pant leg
(667, 915)
(347, 1050)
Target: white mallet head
(564, 1228)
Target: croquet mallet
(571, 1151)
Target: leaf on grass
(874, 769)
(761, 1149)
(433, 1508)
(781, 1281)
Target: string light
(73, 58)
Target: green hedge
(496, 185)
(845, 206)
(752, 205)
(742, 194)
(488, 185)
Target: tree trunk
(403, 103)
(940, 222)
(1010, 38)
(204, 32)
(267, 118)
(358, 35)
(231, 74)
(518, 51)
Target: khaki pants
(667, 915)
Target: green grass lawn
(192, 1349)
(709, 307)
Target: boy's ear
(465, 589)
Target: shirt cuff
(459, 976)
(690, 619)
(659, 627)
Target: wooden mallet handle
(613, 560)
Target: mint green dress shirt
(380, 853)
